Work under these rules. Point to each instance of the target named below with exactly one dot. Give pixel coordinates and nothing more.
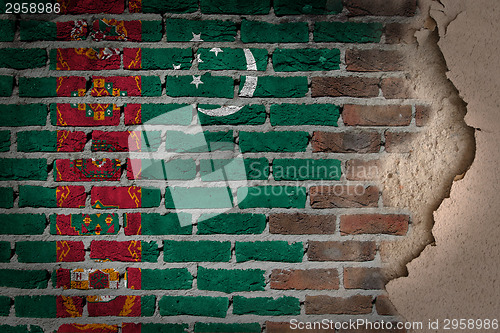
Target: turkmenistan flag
(63, 86)
(135, 141)
(108, 197)
(126, 86)
(158, 114)
(45, 30)
(84, 224)
(165, 58)
(128, 251)
(101, 328)
(87, 169)
(228, 58)
(61, 196)
(81, 278)
(132, 31)
(67, 114)
(84, 59)
(121, 306)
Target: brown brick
(363, 170)
(349, 142)
(391, 224)
(381, 7)
(284, 327)
(400, 142)
(341, 251)
(396, 88)
(422, 115)
(398, 33)
(318, 279)
(384, 306)
(343, 196)
(374, 61)
(323, 304)
(363, 278)
(376, 115)
(301, 224)
(345, 86)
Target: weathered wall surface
(457, 277)
(105, 205)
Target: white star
(198, 58)
(177, 66)
(216, 50)
(196, 37)
(196, 80)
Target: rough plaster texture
(457, 277)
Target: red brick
(318, 279)
(343, 196)
(396, 88)
(384, 306)
(422, 115)
(391, 224)
(363, 278)
(341, 251)
(345, 86)
(349, 142)
(87, 169)
(301, 224)
(117, 141)
(376, 115)
(323, 304)
(284, 327)
(381, 7)
(398, 33)
(374, 61)
(363, 170)
(400, 142)
(84, 59)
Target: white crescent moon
(222, 111)
(247, 91)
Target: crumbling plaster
(457, 276)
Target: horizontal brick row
(205, 30)
(94, 115)
(119, 86)
(88, 170)
(49, 306)
(224, 280)
(180, 223)
(283, 60)
(197, 251)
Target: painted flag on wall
(82, 114)
(80, 278)
(125, 197)
(128, 251)
(88, 169)
(84, 59)
(84, 224)
(121, 306)
(131, 31)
